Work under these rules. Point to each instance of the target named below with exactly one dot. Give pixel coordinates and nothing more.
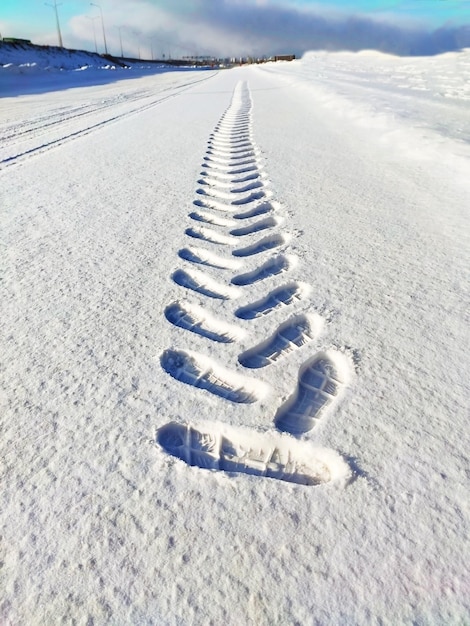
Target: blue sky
(244, 27)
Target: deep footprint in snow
(213, 203)
(258, 209)
(252, 197)
(280, 297)
(232, 156)
(321, 381)
(228, 176)
(229, 182)
(267, 243)
(272, 267)
(203, 284)
(197, 320)
(271, 455)
(256, 227)
(211, 236)
(208, 217)
(228, 192)
(224, 174)
(291, 335)
(202, 372)
(201, 256)
(223, 165)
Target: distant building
(284, 57)
(15, 40)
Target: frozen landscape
(234, 343)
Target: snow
(189, 259)
(27, 68)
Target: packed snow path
(234, 177)
(258, 250)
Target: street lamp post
(94, 32)
(102, 24)
(137, 34)
(120, 39)
(54, 6)
(151, 46)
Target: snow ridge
(236, 216)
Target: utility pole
(94, 32)
(120, 39)
(137, 34)
(102, 24)
(54, 6)
(151, 45)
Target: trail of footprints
(236, 242)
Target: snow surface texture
(192, 259)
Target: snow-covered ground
(234, 346)
(24, 58)
(27, 69)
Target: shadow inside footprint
(271, 267)
(233, 450)
(289, 336)
(320, 382)
(199, 371)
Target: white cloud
(246, 27)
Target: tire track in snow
(241, 227)
(19, 142)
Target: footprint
(255, 195)
(228, 182)
(203, 284)
(291, 335)
(213, 192)
(240, 136)
(272, 267)
(237, 450)
(267, 243)
(197, 320)
(222, 173)
(259, 209)
(202, 372)
(216, 140)
(212, 203)
(282, 296)
(250, 187)
(233, 128)
(256, 227)
(207, 234)
(229, 148)
(231, 156)
(321, 381)
(210, 200)
(201, 256)
(209, 218)
(218, 133)
(227, 192)
(224, 165)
